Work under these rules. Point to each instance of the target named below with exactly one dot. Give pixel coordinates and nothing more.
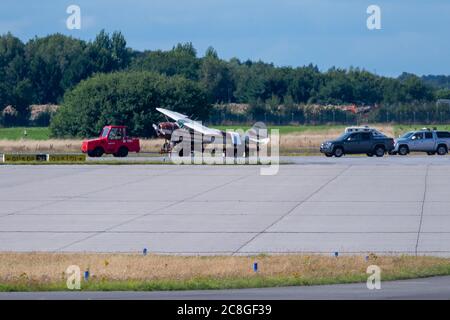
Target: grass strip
(133, 272)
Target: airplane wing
(198, 127)
(184, 121)
(172, 114)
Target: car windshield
(344, 136)
(407, 135)
(104, 132)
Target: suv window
(365, 136)
(354, 137)
(443, 134)
(428, 135)
(417, 136)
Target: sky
(414, 34)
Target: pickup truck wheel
(99, 151)
(122, 152)
(369, 154)
(96, 153)
(403, 150)
(379, 151)
(338, 152)
(442, 150)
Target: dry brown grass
(294, 142)
(311, 139)
(49, 267)
(290, 142)
(52, 145)
(151, 145)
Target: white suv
(425, 140)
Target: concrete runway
(413, 159)
(427, 288)
(356, 205)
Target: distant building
(443, 101)
(9, 110)
(37, 109)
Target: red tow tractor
(112, 140)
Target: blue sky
(414, 35)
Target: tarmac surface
(353, 205)
(427, 288)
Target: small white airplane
(208, 135)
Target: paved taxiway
(427, 288)
(349, 205)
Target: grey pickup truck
(358, 142)
(425, 140)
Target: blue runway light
(144, 252)
(86, 275)
(336, 254)
(255, 266)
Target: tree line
(43, 69)
(51, 69)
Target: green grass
(33, 133)
(191, 284)
(134, 272)
(43, 133)
(403, 128)
(209, 283)
(286, 129)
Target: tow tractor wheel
(96, 153)
(121, 153)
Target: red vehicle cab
(112, 140)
